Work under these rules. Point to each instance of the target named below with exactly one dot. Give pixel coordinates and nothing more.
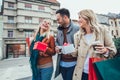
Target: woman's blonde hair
(39, 28)
(90, 17)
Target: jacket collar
(69, 27)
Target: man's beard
(63, 24)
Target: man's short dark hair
(63, 11)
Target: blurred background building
(20, 19)
(1, 32)
(112, 21)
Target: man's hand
(57, 49)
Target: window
(10, 34)
(28, 19)
(10, 19)
(111, 23)
(41, 8)
(119, 22)
(28, 6)
(54, 21)
(54, 11)
(41, 19)
(116, 32)
(10, 5)
(112, 33)
(29, 33)
(115, 24)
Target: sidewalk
(18, 69)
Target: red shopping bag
(40, 46)
(92, 75)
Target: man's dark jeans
(84, 76)
(67, 72)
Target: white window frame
(112, 23)
(41, 19)
(28, 19)
(10, 19)
(10, 5)
(10, 33)
(28, 6)
(29, 33)
(41, 8)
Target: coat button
(75, 74)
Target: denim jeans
(44, 73)
(67, 72)
(84, 76)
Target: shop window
(16, 50)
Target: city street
(18, 69)
(24, 21)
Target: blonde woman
(41, 62)
(90, 32)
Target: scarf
(34, 55)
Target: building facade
(112, 21)
(1, 33)
(21, 19)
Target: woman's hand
(42, 54)
(101, 49)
